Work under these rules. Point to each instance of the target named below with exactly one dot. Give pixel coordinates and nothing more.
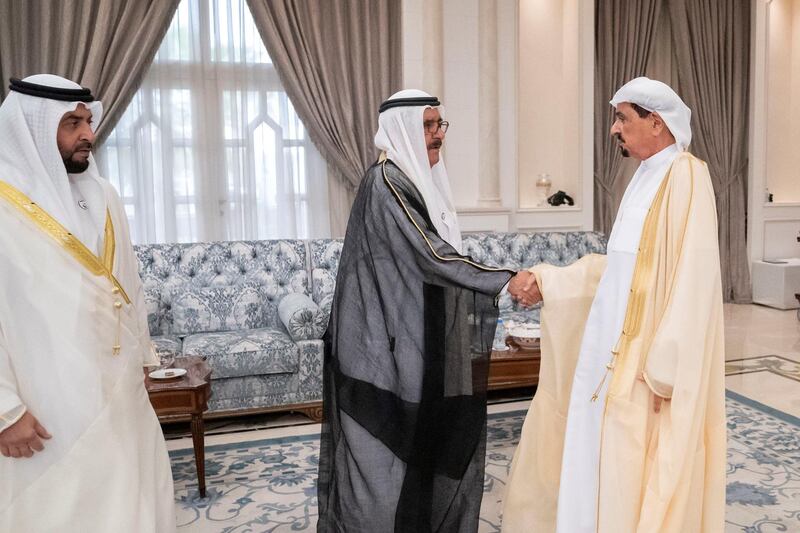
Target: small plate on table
(167, 373)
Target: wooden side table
(516, 367)
(185, 397)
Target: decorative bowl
(526, 343)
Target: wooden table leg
(198, 431)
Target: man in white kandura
(82, 450)
(626, 432)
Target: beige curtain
(624, 34)
(105, 45)
(712, 44)
(338, 60)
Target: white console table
(775, 283)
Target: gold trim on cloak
(382, 159)
(99, 266)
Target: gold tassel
(118, 306)
(609, 368)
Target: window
(210, 147)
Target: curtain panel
(211, 148)
(712, 44)
(624, 35)
(105, 45)
(338, 60)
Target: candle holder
(543, 185)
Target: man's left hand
(23, 438)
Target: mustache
(86, 145)
(435, 144)
(624, 151)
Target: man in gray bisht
(408, 345)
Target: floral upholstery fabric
(247, 352)
(325, 254)
(152, 302)
(278, 265)
(303, 319)
(523, 250)
(264, 367)
(206, 309)
(270, 390)
(167, 344)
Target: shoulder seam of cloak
(425, 237)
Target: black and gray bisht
(405, 372)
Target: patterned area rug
(270, 485)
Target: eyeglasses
(433, 127)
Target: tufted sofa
(257, 310)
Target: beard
(622, 150)
(76, 167)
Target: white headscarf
(30, 160)
(658, 97)
(402, 136)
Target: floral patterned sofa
(257, 310)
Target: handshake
(524, 289)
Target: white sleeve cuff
(11, 417)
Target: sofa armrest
(303, 319)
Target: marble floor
(762, 354)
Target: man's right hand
(524, 289)
(23, 438)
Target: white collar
(659, 158)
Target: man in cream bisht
(626, 432)
(82, 450)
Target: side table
(516, 367)
(185, 397)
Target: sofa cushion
(152, 302)
(169, 344)
(325, 256)
(303, 319)
(279, 266)
(207, 309)
(248, 352)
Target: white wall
(516, 79)
(774, 133)
(783, 100)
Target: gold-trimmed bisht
(634, 308)
(636, 296)
(99, 266)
